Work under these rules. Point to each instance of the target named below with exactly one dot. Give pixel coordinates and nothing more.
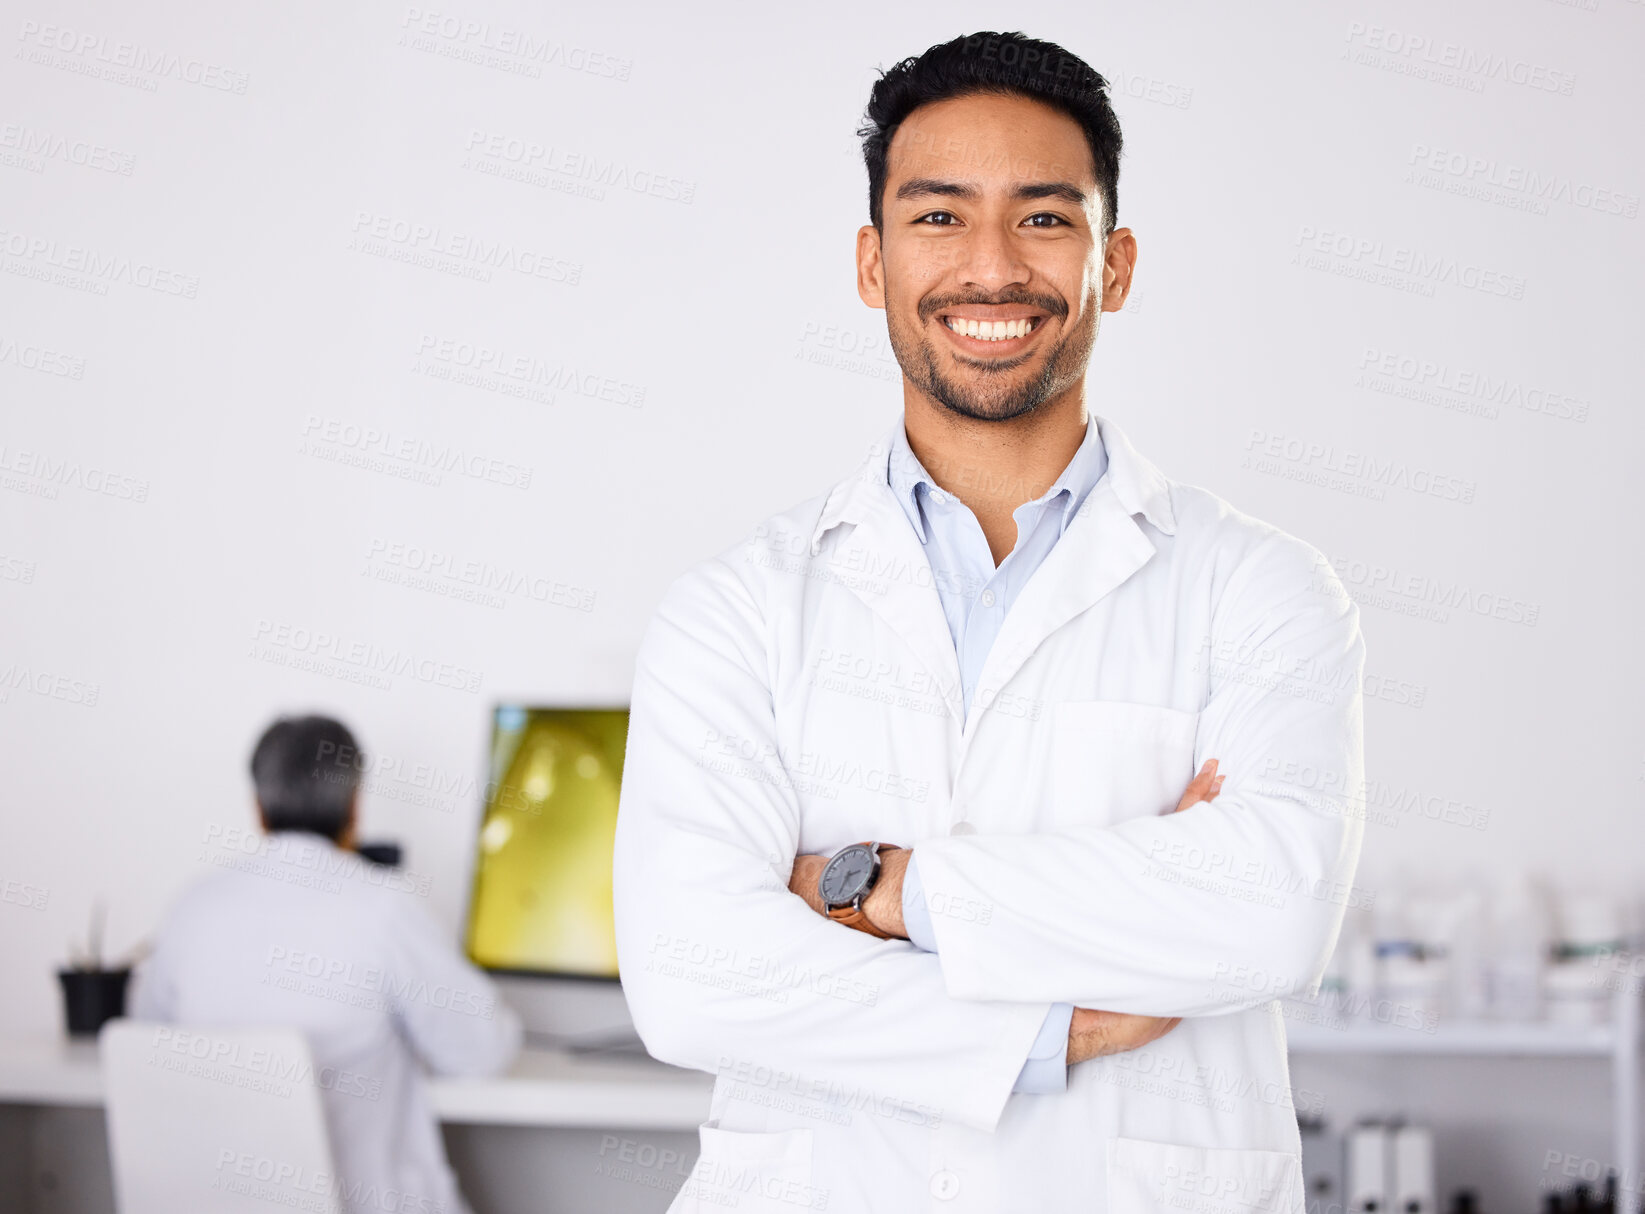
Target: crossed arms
(725, 967)
(1092, 1033)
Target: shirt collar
(1138, 485)
(908, 477)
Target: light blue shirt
(975, 596)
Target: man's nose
(990, 258)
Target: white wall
(246, 312)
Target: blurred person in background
(305, 934)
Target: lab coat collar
(907, 476)
(1140, 486)
(883, 562)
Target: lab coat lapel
(1103, 545)
(884, 564)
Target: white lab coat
(301, 934)
(800, 692)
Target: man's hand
(1203, 787)
(1092, 1034)
(803, 880)
(883, 906)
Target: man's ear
(1119, 264)
(262, 818)
(870, 268)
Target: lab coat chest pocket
(1164, 1178)
(753, 1172)
(1112, 760)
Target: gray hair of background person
(307, 770)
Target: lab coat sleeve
(152, 994)
(724, 969)
(1046, 1067)
(1229, 903)
(153, 997)
(446, 1007)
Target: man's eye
(1056, 220)
(946, 218)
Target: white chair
(214, 1121)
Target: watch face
(844, 877)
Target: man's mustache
(1047, 304)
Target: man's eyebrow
(1065, 190)
(919, 187)
(916, 187)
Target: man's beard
(1002, 394)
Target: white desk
(543, 1088)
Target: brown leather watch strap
(852, 917)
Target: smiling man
(924, 847)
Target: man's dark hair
(988, 62)
(306, 770)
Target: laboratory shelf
(1312, 1029)
(1486, 1037)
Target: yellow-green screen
(542, 889)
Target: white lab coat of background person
(303, 934)
(799, 692)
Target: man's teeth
(991, 330)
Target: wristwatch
(845, 881)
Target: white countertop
(544, 1087)
(553, 1087)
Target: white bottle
(1410, 982)
(1518, 950)
(1462, 927)
(1589, 938)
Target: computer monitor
(542, 883)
